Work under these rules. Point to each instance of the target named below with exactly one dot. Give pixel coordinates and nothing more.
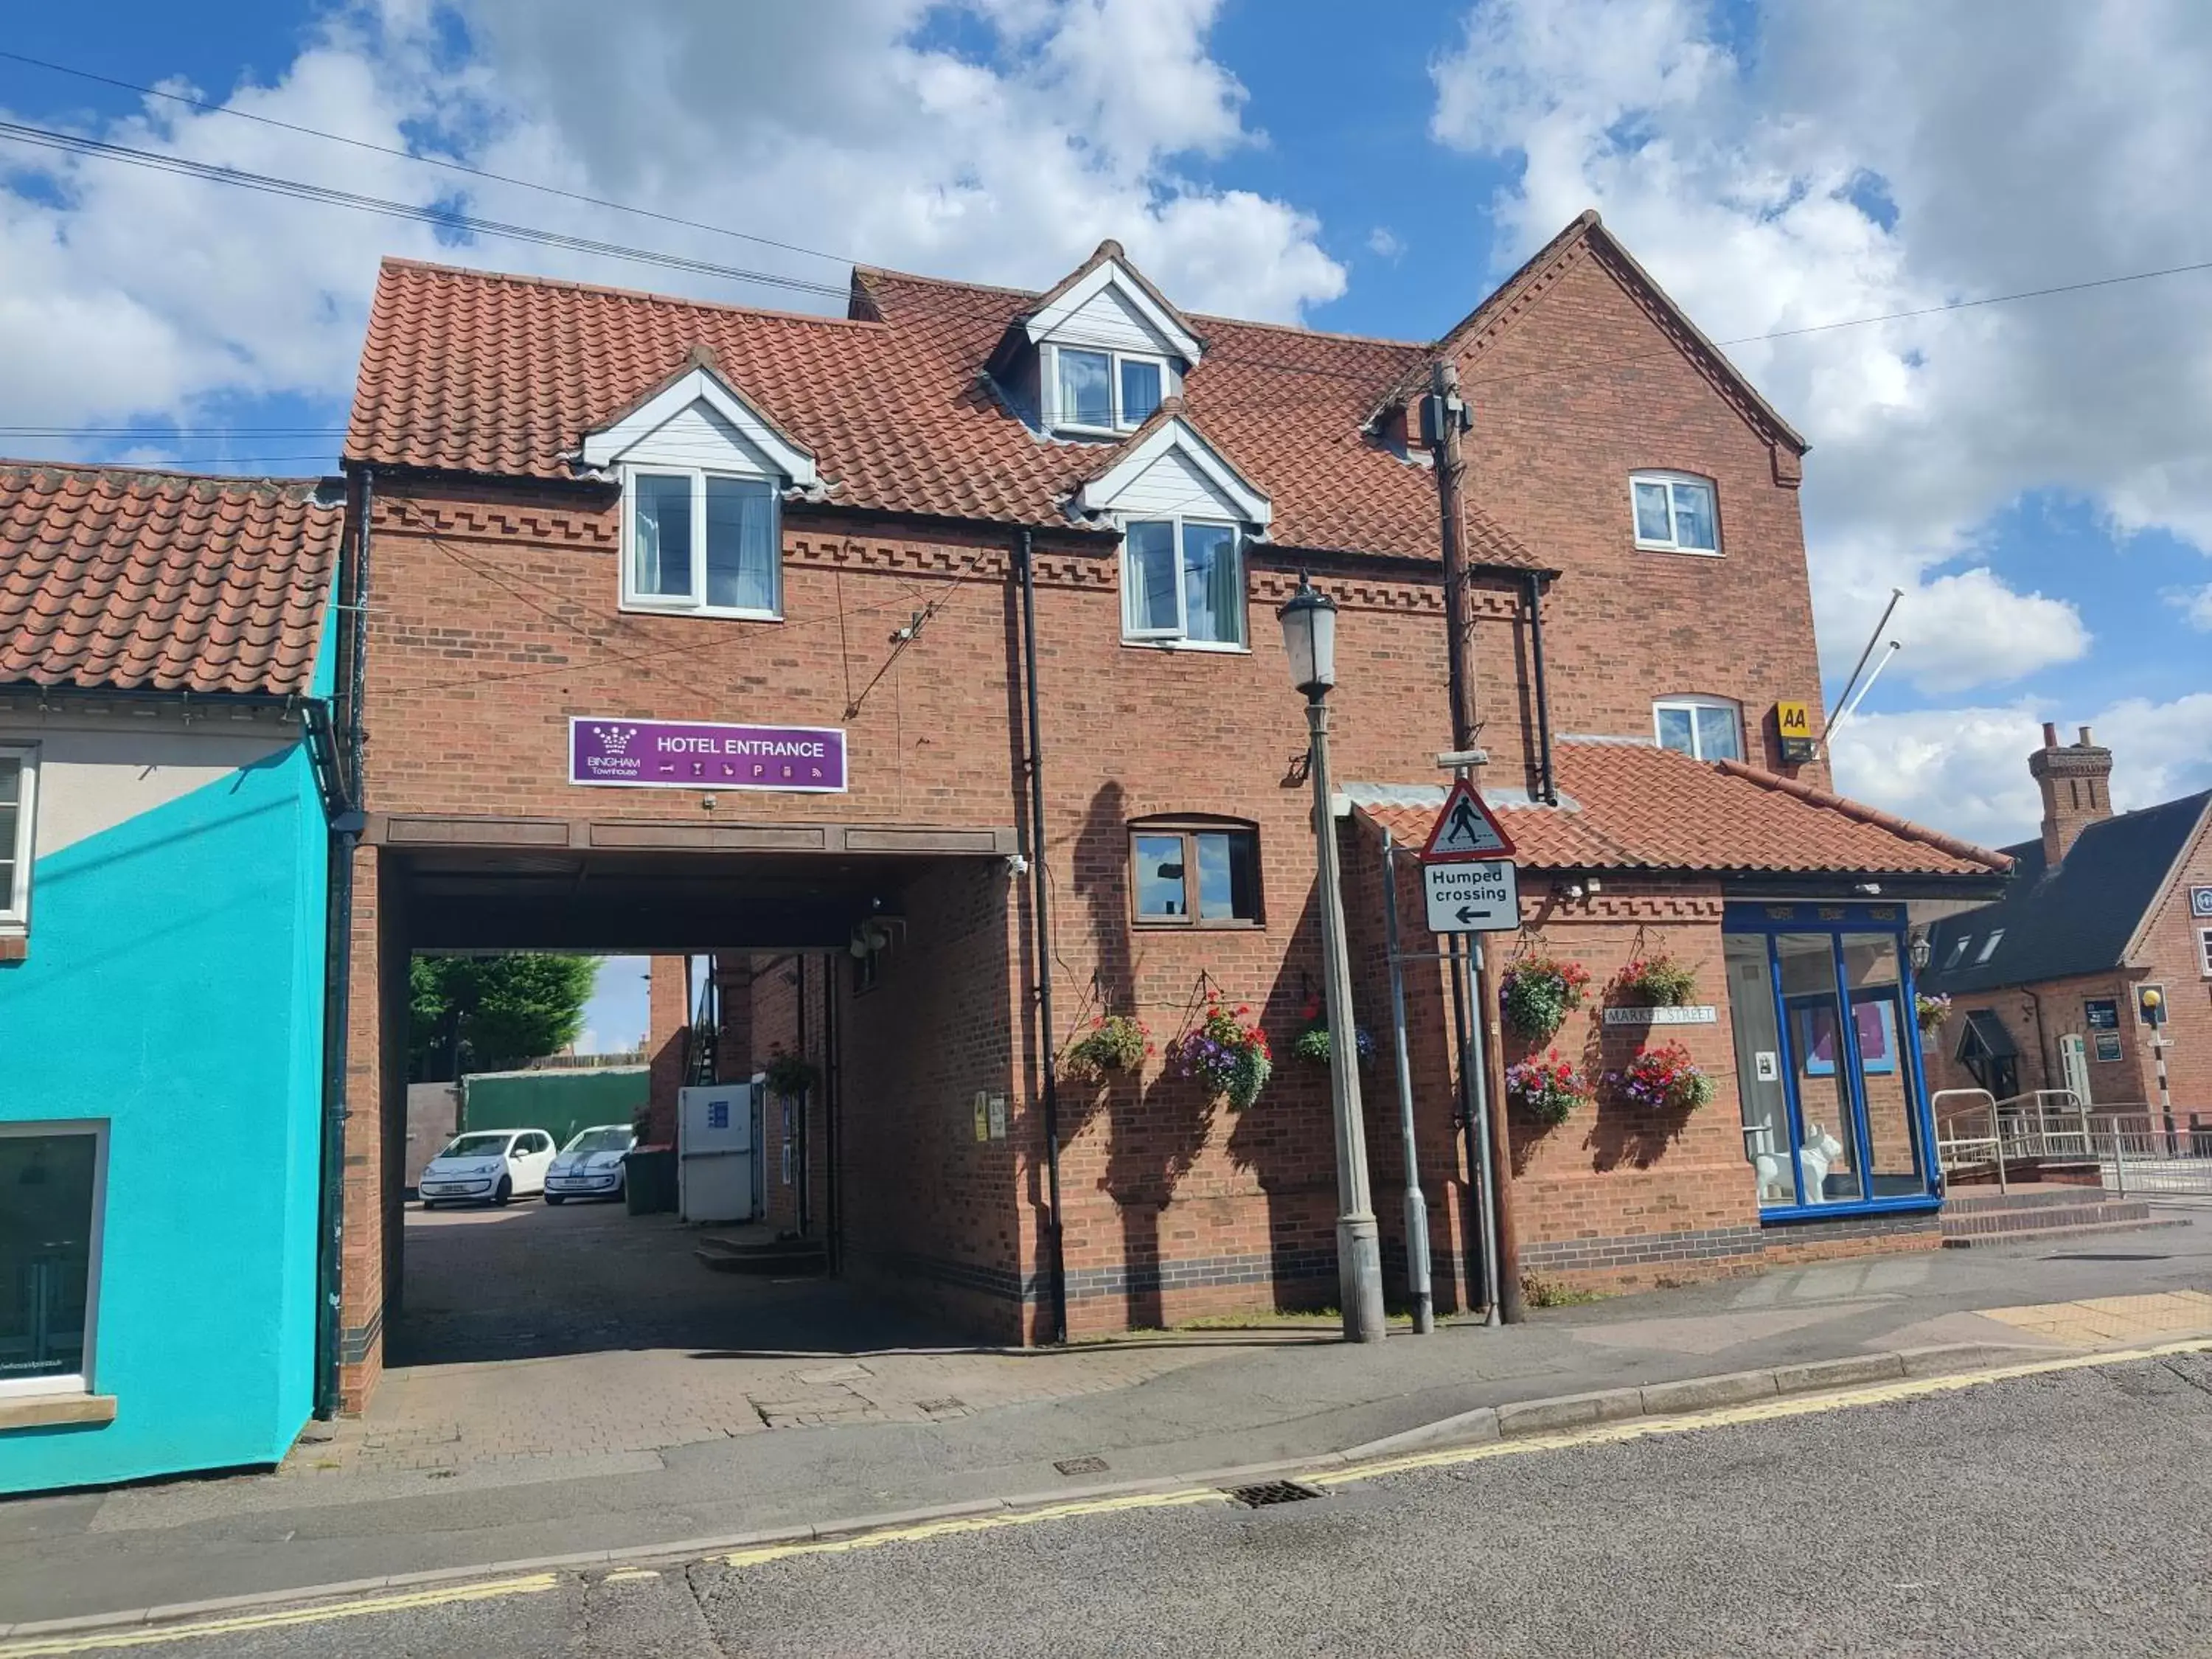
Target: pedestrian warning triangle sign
(1466, 829)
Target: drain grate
(2109, 1255)
(1270, 1491)
(1081, 1466)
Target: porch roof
(1625, 805)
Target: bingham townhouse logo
(614, 740)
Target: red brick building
(581, 512)
(2047, 985)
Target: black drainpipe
(1535, 586)
(833, 1082)
(343, 749)
(1055, 1262)
(806, 1100)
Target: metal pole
(1476, 1070)
(1359, 1246)
(1419, 1283)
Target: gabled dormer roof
(699, 379)
(1108, 268)
(1170, 432)
(1586, 237)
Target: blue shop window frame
(1836, 921)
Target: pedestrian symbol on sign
(1466, 830)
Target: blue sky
(2036, 476)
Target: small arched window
(1708, 728)
(1193, 873)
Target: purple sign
(688, 754)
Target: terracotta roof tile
(113, 577)
(1634, 806)
(482, 372)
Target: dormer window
(1097, 391)
(703, 474)
(701, 542)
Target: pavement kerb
(1528, 1418)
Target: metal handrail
(1948, 1150)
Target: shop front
(1834, 1106)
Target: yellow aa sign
(1793, 719)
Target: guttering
(1056, 1259)
(1534, 585)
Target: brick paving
(584, 1332)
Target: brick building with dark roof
(169, 780)
(2047, 985)
(846, 552)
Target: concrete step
(783, 1257)
(1979, 1199)
(2057, 1235)
(1995, 1218)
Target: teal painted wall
(175, 987)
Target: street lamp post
(1309, 622)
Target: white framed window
(1674, 512)
(55, 1175)
(1182, 583)
(706, 543)
(1096, 389)
(1963, 944)
(2204, 951)
(19, 801)
(1707, 728)
(1990, 946)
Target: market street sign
(1466, 897)
(691, 755)
(1466, 829)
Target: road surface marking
(955, 1525)
(628, 1576)
(1761, 1411)
(107, 1641)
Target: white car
(486, 1166)
(591, 1165)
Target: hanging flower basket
(1930, 1011)
(1662, 1079)
(1115, 1042)
(1658, 980)
(1311, 1043)
(1538, 993)
(1546, 1091)
(790, 1076)
(1226, 1054)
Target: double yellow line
(1764, 1411)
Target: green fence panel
(558, 1102)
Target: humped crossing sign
(1472, 883)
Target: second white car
(591, 1165)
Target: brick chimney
(2076, 782)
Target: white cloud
(1872, 156)
(1383, 243)
(837, 126)
(1966, 769)
(2194, 604)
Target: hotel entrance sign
(630, 754)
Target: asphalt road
(2070, 1513)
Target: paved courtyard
(583, 1334)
